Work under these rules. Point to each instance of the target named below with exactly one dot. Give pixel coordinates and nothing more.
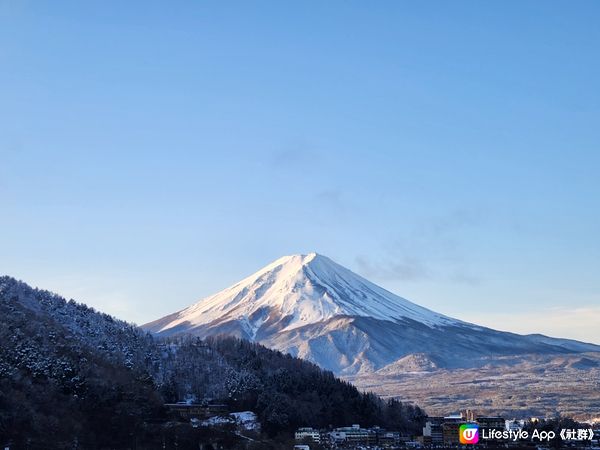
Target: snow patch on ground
(245, 420)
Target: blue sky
(153, 153)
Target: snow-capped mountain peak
(298, 290)
(312, 307)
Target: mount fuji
(313, 308)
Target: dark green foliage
(73, 378)
(69, 376)
(288, 392)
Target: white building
(308, 433)
(350, 434)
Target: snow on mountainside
(313, 308)
(299, 290)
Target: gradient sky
(152, 153)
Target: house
(307, 433)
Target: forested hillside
(71, 377)
(284, 391)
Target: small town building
(450, 429)
(310, 434)
(433, 431)
(353, 434)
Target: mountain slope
(72, 377)
(311, 307)
(292, 292)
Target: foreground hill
(71, 377)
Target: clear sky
(152, 153)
